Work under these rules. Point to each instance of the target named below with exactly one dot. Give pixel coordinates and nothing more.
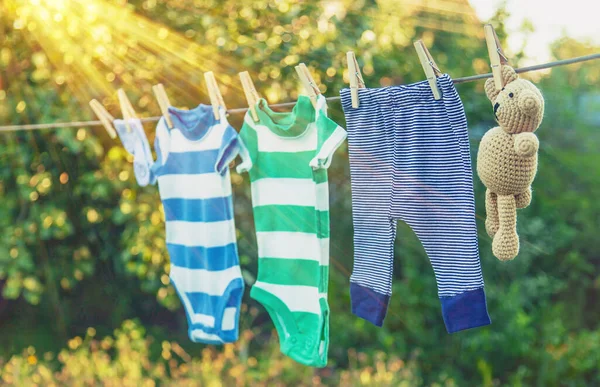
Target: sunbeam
(97, 47)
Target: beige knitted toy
(507, 158)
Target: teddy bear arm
(526, 144)
(492, 221)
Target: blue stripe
(190, 163)
(198, 210)
(215, 305)
(201, 257)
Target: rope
(80, 124)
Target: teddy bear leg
(491, 212)
(505, 245)
(523, 199)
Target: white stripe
(324, 244)
(213, 283)
(274, 191)
(228, 322)
(199, 318)
(293, 192)
(296, 298)
(212, 140)
(271, 142)
(200, 335)
(208, 234)
(322, 192)
(194, 186)
(288, 245)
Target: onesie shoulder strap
(320, 107)
(230, 145)
(329, 136)
(223, 123)
(162, 143)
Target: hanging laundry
(133, 137)
(195, 189)
(287, 157)
(410, 161)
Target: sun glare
(96, 47)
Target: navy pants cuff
(464, 311)
(368, 304)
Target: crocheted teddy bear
(507, 158)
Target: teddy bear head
(519, 106)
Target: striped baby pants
(410, 161)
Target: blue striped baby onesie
(195, 189)
(410, 161)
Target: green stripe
(285, 218)
(320, 176)
(250, 139)
(298, 272)
(309, 322)
(323, 227)
(284, 164)
(324, 283)
(292, 219)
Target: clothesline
(80, 124)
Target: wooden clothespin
(356, 79)
(216, 99)
(105, 117)
(497, 57)
(251, 95)
(309, 83)
(126, 108)
(430, 68)
(163, 102)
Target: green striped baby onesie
(287, 156)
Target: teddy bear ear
(490, 89)
(509, 75)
